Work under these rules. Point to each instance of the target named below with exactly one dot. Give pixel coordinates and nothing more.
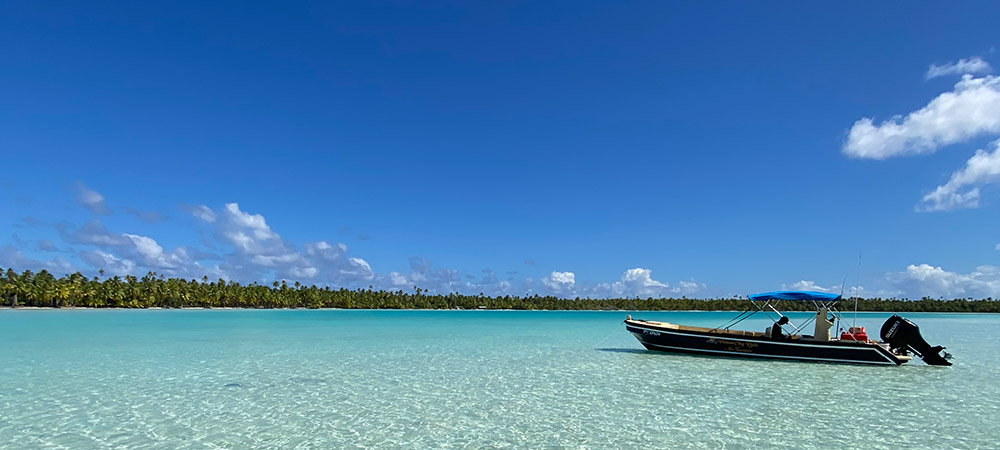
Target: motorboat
(784, 340)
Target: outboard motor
(900, 333)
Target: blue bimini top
(796, 295)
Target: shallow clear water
(464, 379)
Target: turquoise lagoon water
(464, 379)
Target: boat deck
(674, 326)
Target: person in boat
(776, 331)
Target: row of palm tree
(42, 289)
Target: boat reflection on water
(900, 337)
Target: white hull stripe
(770, 356)
(785, 343)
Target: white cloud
(259, 252)
(560, 283)
(398, 279)
(922, 280)
(971, 109)
(247, 249)
(441, 281)
(358, 268)
(323, 250)
(641, 277)
(275, 260)
(963, 66)
(12, 258)
(639, 282)
(91, 199)
(246, 222)
(562, 277)
(110, 263)
(129, 254)
(688, 287)
(419, 269)
(998, 247)
(146, 246)
(303, 272)
(808, 285)
(333, 264)
(202, 212)
(982, 168)
(847, 290)
(92, 233)
(145, 254)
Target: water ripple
(498, 381)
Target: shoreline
(229, 308)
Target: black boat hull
(720, 343)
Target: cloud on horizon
(560, 283)
(245, 248)
(809, 285)
(935, 282)
(248, 250)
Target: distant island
(42, 289)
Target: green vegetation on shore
(42, 289)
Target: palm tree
(43, 289)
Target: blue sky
(567, 148)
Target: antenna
(836, 314)
(857, 292)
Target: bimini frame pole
(857, 293)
